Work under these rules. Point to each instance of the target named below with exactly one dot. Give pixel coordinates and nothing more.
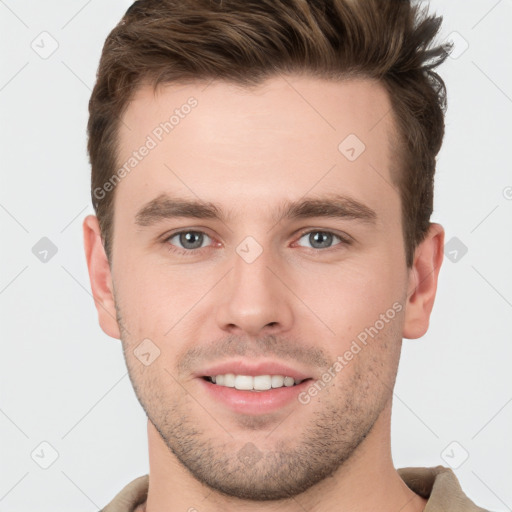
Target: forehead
(281, 139)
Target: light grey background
(64, 382)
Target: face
(259, 237)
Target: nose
(253, 300)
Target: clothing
(437, 484)
(441, 487)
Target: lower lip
(254, 402)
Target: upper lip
(252, 368)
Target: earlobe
(423, 277)
(100, 276)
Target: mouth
(257, 383)
(253, 387)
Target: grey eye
(320, 239)
(190, 239)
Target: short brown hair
(248, 41)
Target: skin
(248, 150)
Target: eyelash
(191, 252)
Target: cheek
(365, 362)
(351, 296)
(153, 299)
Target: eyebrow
(333, 206)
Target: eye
(322, 239)
(187, 241)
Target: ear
(422, 287)
(100, 277)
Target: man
(262, 175)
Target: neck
(366, 482)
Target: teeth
(250, 383)
(277, 381)
(244, 382)
(262, 382)
(288, 381)
(229, 380)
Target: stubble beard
(282, 465)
